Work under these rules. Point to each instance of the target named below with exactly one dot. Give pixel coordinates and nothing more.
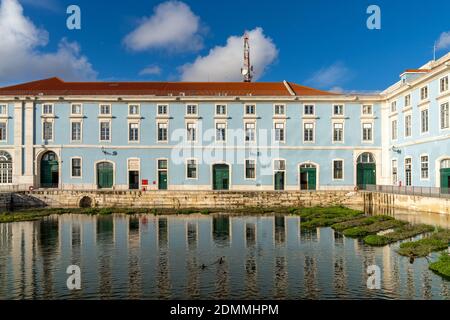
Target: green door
(366, 174)
(162, 180)
(105, 174)
(445, 180)
(221, 177)
(308, 177)
(279, 180)
(49, 170)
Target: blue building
(225, 136)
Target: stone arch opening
(86, 202)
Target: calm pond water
(161, 257)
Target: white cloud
(51, 5)
(20, 58)
(150, 70)
(331, 76)
(444, 41)
(223, 63)
(172, 26)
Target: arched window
(5, 168)
(445, 164)
(366, 157)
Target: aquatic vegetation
(316, 217)
(442, 266)
(373, 228)
(421, 248)
(339, 227)
(400, 233)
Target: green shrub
(442, 266)
(376, 240)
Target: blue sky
(321, 43)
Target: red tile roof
(56, 86)
(417, 70)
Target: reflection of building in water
(387, 273)
(5, 246)
(222, 280)
(221, 229)
(191, 234)
(192, 267)
(134, 271)
(279, 230)
(410, 287)
(23, 247)
(250, 234)
(105, 235)
(48, 244)
(281, 278)
(309, 235)
(338, 238)
(163, 275)
(310, 277)
(340, 276)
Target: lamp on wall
(114, 153)
(395, 149)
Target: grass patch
(376, 240)
(373, 228)
(340, 227)
(400, 233)
(325, 216)
(421, 248)
(442, 266)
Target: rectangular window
(76, 167)
(444, 84)
(445, 116)
(367, 132)
(338, 110)
(191, 169)
(279, 165)
(105, 109)
(3, 131)
(279, 131)
(3, 109)
(279, 109)
(424, 167)
(162, 164)
(309, 110)
(394, 172)
(47, 109)
(408, 171)
(250, 109)
(424, 93)
(408, 126)
(338, 132)
(221, 132)
(367, 109)
(424, 120)
(133, 132)
(76, 109)
(394, 130)
(191, 132)
(133, 109)
(250, 131)
(162, 132)
(191, 109)
(76, 131)
(250, 169)
(338, 169)
(221, 109)
(407, 100)
(393, 106)
(105, 131)
(308, 135)
(162, 109)
(47, 131)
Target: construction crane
(247, 70)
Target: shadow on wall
(23, 201)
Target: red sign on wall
(144, 182)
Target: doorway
(221, 177)
(308, 177)
(366, 173)
(105, 175)
(49, 170)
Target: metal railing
(409, 190)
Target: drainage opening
(86, 202)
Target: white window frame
(440, 84)
(215, 131)
(245, 109)
(421, 120)
(426, 89)
(340, 114)
(167, 132)
(275, 131)
(196, 168)
(343, 132)
(372, 131)
(138, 110)
(407, 98)
(394, 106)
(195, 133)
(313, 131)
(441, 104)
(191, 105)
(245, 168)
(394, 138)
(100, 130)
(48, 104)
(367, 105)
(313, 109)
(76, 114)
(428, 167)
(6, 130)
(71, 168)
(405, 125)
(81, 130)
(343, 169)
(5, 105)
(221, 114)
(138, 129)
(404, 170)
(100, 109)
(162, 105)
(279, 106)
(254, 131)
(394, 183)
(53, 129)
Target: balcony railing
(409, 190)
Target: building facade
(224, 136)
